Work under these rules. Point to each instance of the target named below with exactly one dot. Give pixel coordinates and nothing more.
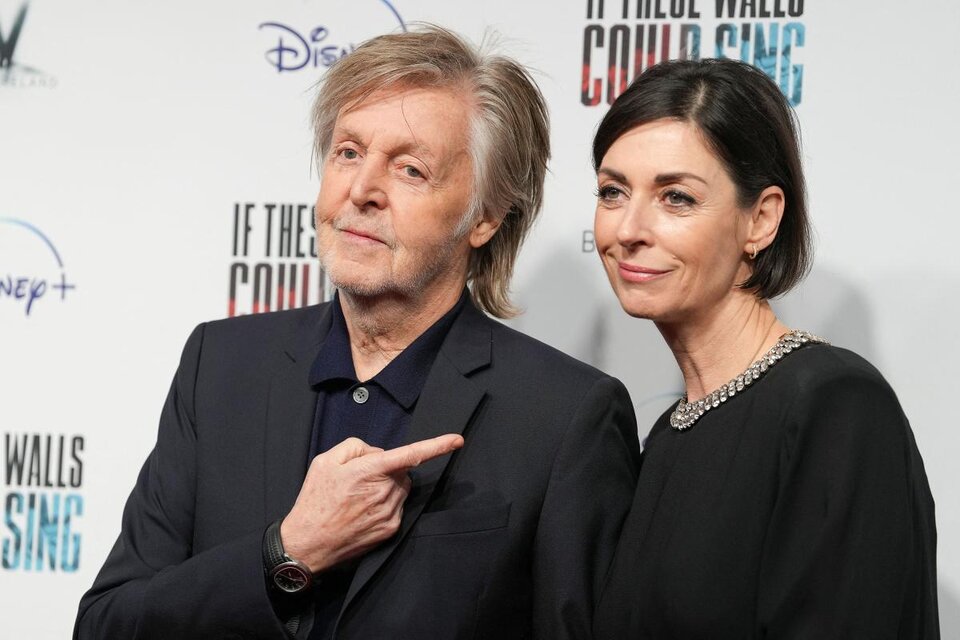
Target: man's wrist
(284, 574)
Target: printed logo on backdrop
(13, 72)
(33, 278)
(622, 38)
(293, 47)
(275, 263)
(43, 501)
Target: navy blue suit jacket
(509, 537)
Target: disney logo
(295, 51)
(28, 289)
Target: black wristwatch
(284, 573)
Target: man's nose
(368, 188)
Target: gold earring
(753, 254)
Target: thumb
(351, 448)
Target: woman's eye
(349, 154)
(412, 172)
(609, 192)
(678, 199)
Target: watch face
(291, 577)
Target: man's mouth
(360, 235)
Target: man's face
(396, 183)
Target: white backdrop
(131, 131)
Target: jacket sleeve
(590, 491)
(152, 585)
(850, 549)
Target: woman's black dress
(797, 509)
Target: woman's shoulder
(819, 368)
(833, 393)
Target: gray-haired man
(303, 481)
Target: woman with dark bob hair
(783, 496)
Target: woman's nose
(634, 227)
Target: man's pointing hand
(352, 499)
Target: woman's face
(668, 227)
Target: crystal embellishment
(686, 414)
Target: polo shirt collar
(403, 378)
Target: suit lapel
(289, 419)
(448, 401)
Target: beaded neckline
(687, 414)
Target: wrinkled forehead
(435, 120)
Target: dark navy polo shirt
(377, 411)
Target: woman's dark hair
(750, 126)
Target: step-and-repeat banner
(155, 172)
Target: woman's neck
(716, 345)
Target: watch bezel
(281, 578)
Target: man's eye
(349, 154)
(412, 172)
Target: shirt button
(361, 395)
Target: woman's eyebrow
(616, 175)
(666, 178)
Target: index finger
(416, 453)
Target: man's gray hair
(509, 135)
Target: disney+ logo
(293, 50)
(39, 272)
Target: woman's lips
(638, 273)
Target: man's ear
(765, 219)
(484, 229)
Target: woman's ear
(765, 220)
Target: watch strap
(273, 553)
(283, 573)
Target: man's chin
(354, 279)
(363, 288)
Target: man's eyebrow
(412, 147)
(667, 178)
(345, 133)
(417, 149)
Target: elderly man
(393, 464)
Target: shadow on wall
(830, 306)
(949, 602)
